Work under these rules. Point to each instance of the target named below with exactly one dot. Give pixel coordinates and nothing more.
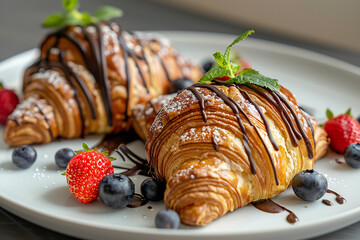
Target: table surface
(20, 30)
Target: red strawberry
(8, 102)
(343, 130)
(85, 171)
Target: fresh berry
(116, 190)
(224, 78)
(352, 155)
(63, 157)
(309, 185)
(85, 171)
(24, 156)
(343, 130)
(208, 65)
(179, 84)
(152, 189)
(8, 101)
(358, 119)
(167, 219)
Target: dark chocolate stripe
(303, 134)
(287, 120)
(201, 101)
(266, 123)
(104, 81)
(233, 106)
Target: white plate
(40, 193)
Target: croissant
(222, 147)
(88, 79)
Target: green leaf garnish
(108, 12)
(71, 15)
(70, 4)
(226, 68)
(348, 112)
(251, 76)
(329, 114)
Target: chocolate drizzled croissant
(221, 147)
(88, 79)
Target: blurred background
(326, 26)
(330, 27)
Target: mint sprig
(71, 15)
(227, 68)
(251, 76)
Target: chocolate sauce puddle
(327, 202)
(138, 201)
(270, 206)
(339, 199)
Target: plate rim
(215, 38)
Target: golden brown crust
(204, 183)
(69, 77)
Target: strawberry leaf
(112, 159)
(86, 147)
(64, 173)
(348, 112)
(105, 153)
(329, 114)
(69, 4)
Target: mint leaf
(251, 76)
(107, 12)
(71, 16)
(234, 67)
(226, 60)
(329, 114)
(54, 20)
(219, 58)
(69, 4)
(214, 73)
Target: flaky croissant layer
(90, 78)
(221, 147)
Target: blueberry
(116, 190)
(63, 157)
(152, 189)
(167, 219)
(24, 156)
(309, 185)
(207, 65)
(352, 155)
(179, 84)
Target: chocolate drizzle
(270, 206)
(91, 48)
(285, 109)
(327, 202)
(339, 199)
(141, 165)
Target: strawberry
(8, 102)
(343, 130)
(85, 171)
